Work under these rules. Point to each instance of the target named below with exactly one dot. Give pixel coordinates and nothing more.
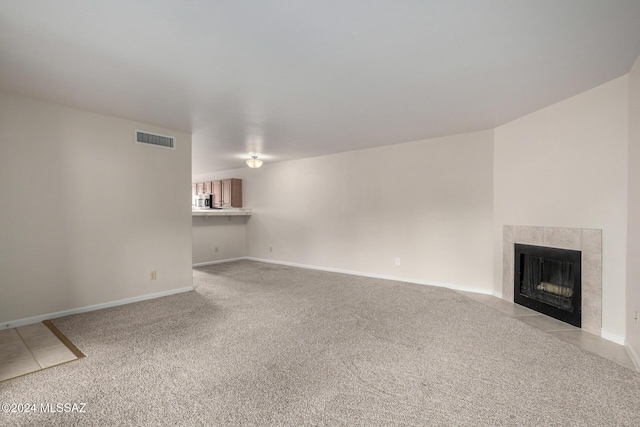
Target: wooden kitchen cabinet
(227, 193)
(200, 188)
(216, 191)
(231, 194)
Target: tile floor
(30, 348)
(589, 342)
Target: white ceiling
(291, 78)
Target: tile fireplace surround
(589, 241)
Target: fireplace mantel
(588, 241)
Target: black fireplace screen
(548, 280)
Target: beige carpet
(259, 344)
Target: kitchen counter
(221, 212)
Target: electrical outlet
(270, 248)
(397, 261)
(216, 250)
(152, 275)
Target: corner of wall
(632, 338)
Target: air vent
(155, 139)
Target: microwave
(205, 202)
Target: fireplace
(587, 241)
(549, 280)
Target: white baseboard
(221, 261)
(452, 286)
(612, 337)
(36, 319)
(633, 355)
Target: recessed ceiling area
(290, 79)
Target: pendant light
(254, 162)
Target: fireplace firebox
(548, 280)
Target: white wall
(566, 166)
(633, 237)
(428, 203)
(85, 213)
(563, 166)
(228, 234)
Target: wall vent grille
(155, 139)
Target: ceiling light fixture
(254, 162)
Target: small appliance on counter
(204, 202)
